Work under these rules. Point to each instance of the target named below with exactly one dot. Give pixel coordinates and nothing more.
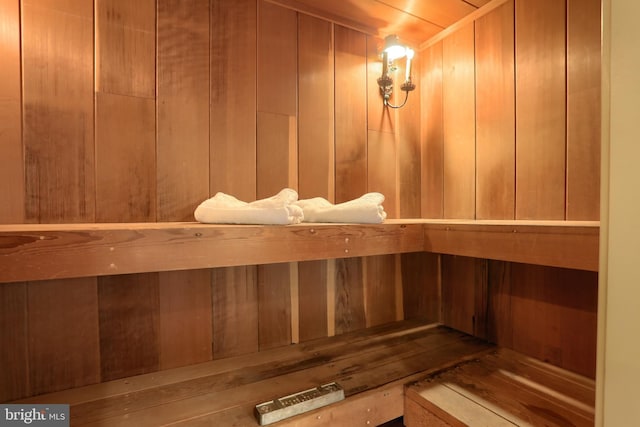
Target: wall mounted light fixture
(393, 51)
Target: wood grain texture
(57, 113)
(379, 289)
(185, 326)
(233, 98)
(458, 103)
(125, 159)
(277, 59)
(64, 343)
(416, 415)
(129, 325)
(126, 47)
(382, 168)
(432, 132)
(274, 305)
(349, 295)
(495, 114)
(350, 114)
(421, 286)
(379, 117)
(499, 315)
(182, 146)
(461, 279)
(371, 365)
(554, 316)
(583, 110)
(540, 109)
(505, 388)
(12, 178)
(36, 252)
(316, 153)
(277, 143)
(312, 300)
(14, 377)
(276, 154)
(235, 311)
(414, 22)
(409, 161)
(557, 243)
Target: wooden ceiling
(414, 21)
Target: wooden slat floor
(503, 388)
(371, 365)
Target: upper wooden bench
(49, 251)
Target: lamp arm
(388, 104)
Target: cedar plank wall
(137, 111)
(525, 144)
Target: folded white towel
(365, 209)
(225, 209)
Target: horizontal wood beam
(568, 244)
(52, 251)
(40, 252)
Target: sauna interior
(475, 301)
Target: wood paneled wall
(511, 114)
(114, 111)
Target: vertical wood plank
(554, 314)
(233, 98)
(182, 108)
(350, 114)
(233, 163)
(379, 117)
(125, 159)
(125, 47)
(432, 132)
(499, 316)
(274, 305)
(409, 154)
(458, 100)
(459, 283)
(64, 349)
(129, 322)
(316, 158)
(583, 110)
(312, 296)
(234, 293)
(540, 109)
(14, 375)
(421, 293)
(495, 114)
(57, 54)
(277, 59)
(185, 325)
(276, 165)
(380, 289)
(12, 188)
(381, 168)
(349, 282)
(277, 98)
(185, 332)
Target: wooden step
(372, 366)
(502, 388)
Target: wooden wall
(115, 111)
(511, 130)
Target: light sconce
(393, 51)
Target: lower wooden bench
(502, 388)
(372, 366)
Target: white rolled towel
(226, 209)
(365, 209)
